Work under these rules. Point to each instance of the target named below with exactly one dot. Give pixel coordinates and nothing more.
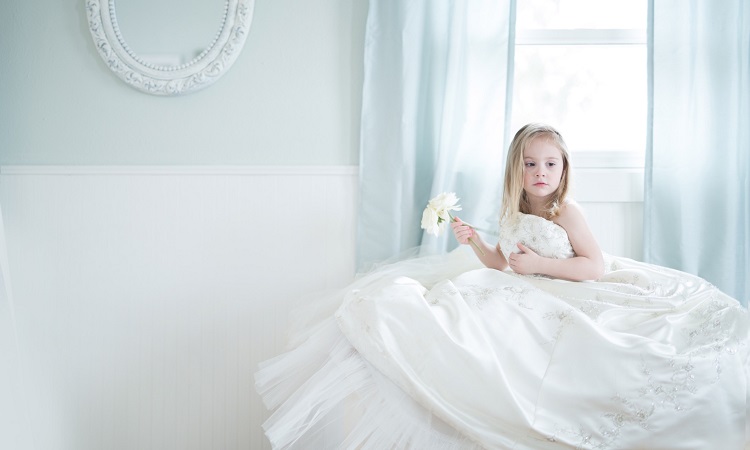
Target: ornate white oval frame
(200, 72)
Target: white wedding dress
(439, 352)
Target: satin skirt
(442, 353)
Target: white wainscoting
(613, 202)
(144, 298)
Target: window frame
(632, 159)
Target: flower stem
(476, 246)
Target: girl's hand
(462, 232)
(525, 263)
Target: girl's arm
(492, 257)
(588, 264)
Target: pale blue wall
(292, 96)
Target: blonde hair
(514, 196)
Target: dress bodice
(543, 236)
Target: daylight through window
(580, 65)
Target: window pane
(594, 94)
(581, 14)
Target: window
(580, 65)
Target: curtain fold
(433, 118)
(697, 192)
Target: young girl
(447, 352)
(537, 177)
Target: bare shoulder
(573, 221)
(571, 216)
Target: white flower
(437, 214)
(447, 201)
(431, 221)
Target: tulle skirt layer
(324, 394)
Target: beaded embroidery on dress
(546, 238)
(440, 352)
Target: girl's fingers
(462, 237)
(463, 230)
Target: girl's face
(542, 168)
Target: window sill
(608, 176)
(608, 159)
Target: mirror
(169, 47)
(170, 32)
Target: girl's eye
(551, 164)
(529, 164)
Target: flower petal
(430, 221)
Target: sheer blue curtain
(433, 117)
(697, 204)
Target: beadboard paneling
(618, 226)
(145, 297)
(613, 203)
